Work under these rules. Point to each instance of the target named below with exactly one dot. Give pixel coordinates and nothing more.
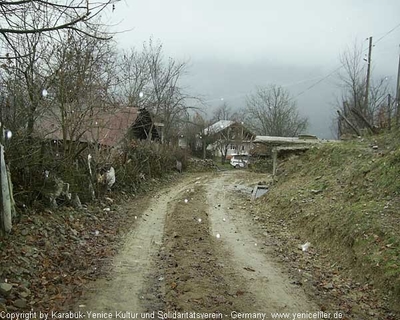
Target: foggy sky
(234, 45)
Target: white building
(228, 138)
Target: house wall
(234, 148)
(182, 143)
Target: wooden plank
(5, 195)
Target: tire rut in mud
(196, 277)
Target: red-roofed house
(108, 129)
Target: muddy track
(193, 252)
(125, 288)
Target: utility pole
(389, 111)
(397, 101)
(368, 74)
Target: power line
(337, 69)
(320, 80)
(387, 33)
(223, 99)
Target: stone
(5, 289)
(20, 303)
(328, 286)
(24, 294)
(316, 191)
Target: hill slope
(345, 198)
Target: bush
(144, 160)
(39, 167)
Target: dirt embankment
(344, 199)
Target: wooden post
(5, 203)
(10, 190)
(359, 114)
(349, 123)
(397, 101)
(368, 75)
(274, 162)
(389, 112)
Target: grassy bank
(345, 198)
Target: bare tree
(24, 80)
(149, 80)
(271, 111)
(223, 112)
(355, 111)
(193, 132)
(134, 78)
(49, 16)
(83, 72)
(168, 98)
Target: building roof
(218, 127)
(105, 128)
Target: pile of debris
(199, 165)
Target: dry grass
(345, 198)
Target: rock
(24, 294)
(184, 278)
(316, 191)
(109, 200)
(304, 247)
(20, 303)
(24, 232)
(5, 289)
(328, 286)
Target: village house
(107, 129)
(228, 138)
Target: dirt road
(192, 251)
